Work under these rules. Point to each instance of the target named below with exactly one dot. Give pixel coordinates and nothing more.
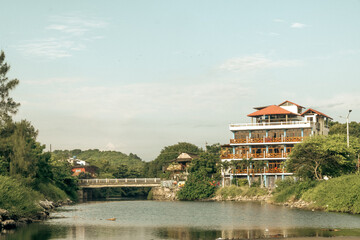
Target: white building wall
(293, 108)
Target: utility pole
(347, 129)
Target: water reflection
(186, 220)
(52, 232)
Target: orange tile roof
(291, 103)
(271, 110)
(315, 111)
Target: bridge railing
(119, 181)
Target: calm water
(186, 220)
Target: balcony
(270, 125)
(260, 171)
(266, 140)
(255, 155)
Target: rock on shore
(164, 193)
(10, 222)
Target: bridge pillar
(80, 194)
(84, 194)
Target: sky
(136, 76)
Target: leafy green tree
(198, 186)
(122, 171)
(8, 106)
(321, 156)
(156, 168)
(341, 128)
(207, 161)
(28, 159)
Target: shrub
(340, 194)
(256, 191)
(51, 191)
(289, 189)
(198, 186)
(231, 191)
(19, 200)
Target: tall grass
(51, 192)
(234, 191)
(289, 189)
(341, 194)
(19, 200)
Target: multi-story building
(260, 148)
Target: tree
(198, 186)
(168, 154)
(8, 106)
(321, 156)
(340, 128)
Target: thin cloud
(279, 20)
(256, 62)
(67, 34)
(297, 25)
(50, 47)
(75, 25)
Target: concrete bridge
(123, 182)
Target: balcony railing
(269, 124)
(252, 171)
(254, 155)
(267, 140)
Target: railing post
(135, 179)
(125, 179)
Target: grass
(341, 194)
(51, 192)
(19, 200)
(289, 189)
(244, 191)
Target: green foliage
(8, 106)
(320, 156)
(231, 191)
(340, 128)
(108, 162)
(255, 192)
(51, 191)
(63, 179)
(244, 191)
(18, 199)
(242, 182)
(289, 189)
(340, 194)
(207, 161)
(198, 186)
(156, 168)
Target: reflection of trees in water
(36, 231)
(196, 233)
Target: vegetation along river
(141, 219)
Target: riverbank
(341, 194)
(21, 204)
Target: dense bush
(340, 194)
(198, 186)
(19, 200)
(289, 189)
(51, 191)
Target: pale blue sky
(135, 76)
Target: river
(141, 219)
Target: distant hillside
(105, 160)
